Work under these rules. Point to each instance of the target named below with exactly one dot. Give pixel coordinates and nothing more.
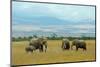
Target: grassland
(54, 53)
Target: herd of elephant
(41, 44)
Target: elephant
(78, 44)
(65, 44)
(29, 49)
(39, 43)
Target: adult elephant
(78, 44)
(65, 44)
(39, 43)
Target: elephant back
(34, 41)
(76, 41)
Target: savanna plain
(54, 53)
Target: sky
(44, 19)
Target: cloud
(38, 17)
(25, 28)
(54, 28)
(31, 28)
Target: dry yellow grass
(54, 53)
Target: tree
(35, 36)
(19, 37)
(30, 37)
(13, 38)
(54, 36)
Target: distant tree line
(53, 37)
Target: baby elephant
(29, 49)
(79, 44)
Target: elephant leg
(68, 46)
(41, 48)
(76, 48)
(63, 46)
(71, 47)
(84, 48)
(45, 47)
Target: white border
(5, 33)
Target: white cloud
(84, 27)
(25, 28)
(31, 28)
(54, 28)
